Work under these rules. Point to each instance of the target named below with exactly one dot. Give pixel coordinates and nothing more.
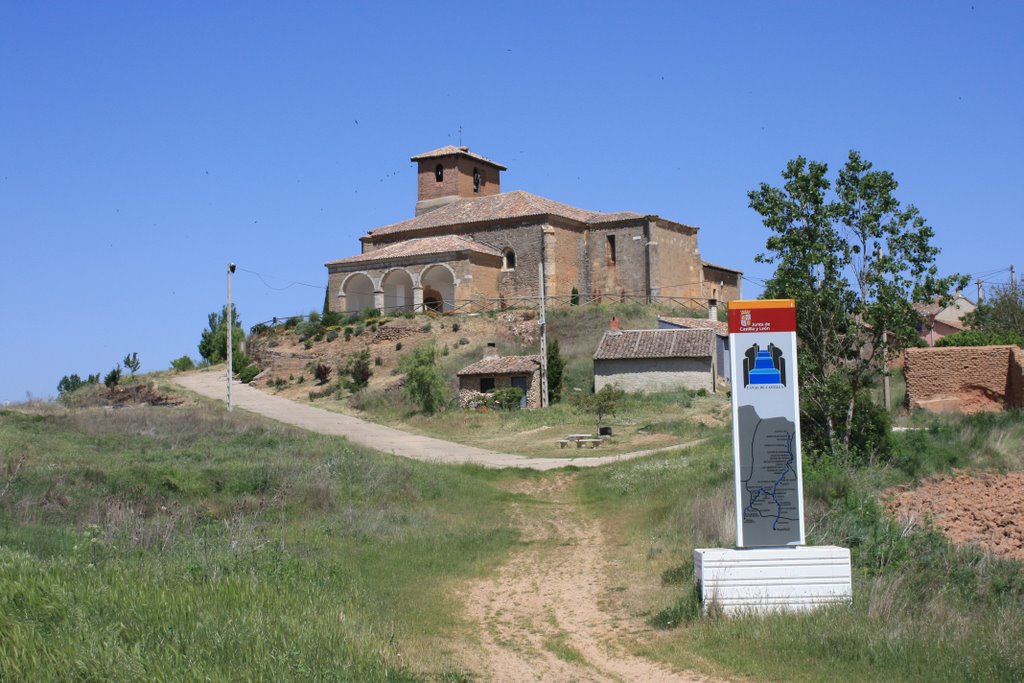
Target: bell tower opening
(452, 173)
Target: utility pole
(1013, 279)
(543, 339)
(981, 291)
(230, 335)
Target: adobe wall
(964, 379)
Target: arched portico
(397, 285)
(357, 292)
(438, 282)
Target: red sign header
(762, 315)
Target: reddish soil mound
(986, 510)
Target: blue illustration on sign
(764, 366)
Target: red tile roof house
(937, 321)
(656, 360)
(721, 330)
(470, 246)
(498, 372)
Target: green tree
(556, 369)
(1001, 313)
(424, 383)
(131, 361)
(600, 404)
(213, 342)
(855, 260)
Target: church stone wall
(626, 275)
(678, 271)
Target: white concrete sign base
(783, 579)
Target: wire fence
(501, 304)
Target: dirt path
(540, 616)
(213, 384)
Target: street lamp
(230, 334)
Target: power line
(278, 289)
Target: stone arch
(397, 285)
(358, 292)
(438, 283)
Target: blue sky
(145, 145)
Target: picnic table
(581, 440)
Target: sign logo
(745, 318)
(764, 367)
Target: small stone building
(721, 330)
(471, 246)
(499, 372)
(656, 360)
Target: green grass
(923, 610)
(188, 543)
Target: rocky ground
(985, 510)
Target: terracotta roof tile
(448, 150)
(499, 207)
(709, 264)
(720, 328)
(427, 245)
(502, 365)
(655, 344)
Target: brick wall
(963, 378)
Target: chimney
(712, 309)
(614, 327)
(491, 351)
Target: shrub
(183, 364)
(359, 330)
(332, 335)
(398, 346)
(378, 361)
(463, 341)
(601, 404)
(508, 398)
(292, 322)
(331, 319)
(324, 393)
(357, 372)
(425, 328)
(322, 373)
(981, 338)
(70, 383)
(113, 378)
(248, 373)
(444, 350)
(456, 327)
(424, 384)
(314, 316)
(574, 298)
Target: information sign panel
(766, 423)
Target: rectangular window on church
(611, 249)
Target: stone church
(471, 246)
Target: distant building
(470, 244)
(937, 320)
(656, 360)
(499, 372)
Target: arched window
(439, 173)
(508, 260)
(476, 180)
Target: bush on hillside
(424, 383)
(113, 378)
(183, 364)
